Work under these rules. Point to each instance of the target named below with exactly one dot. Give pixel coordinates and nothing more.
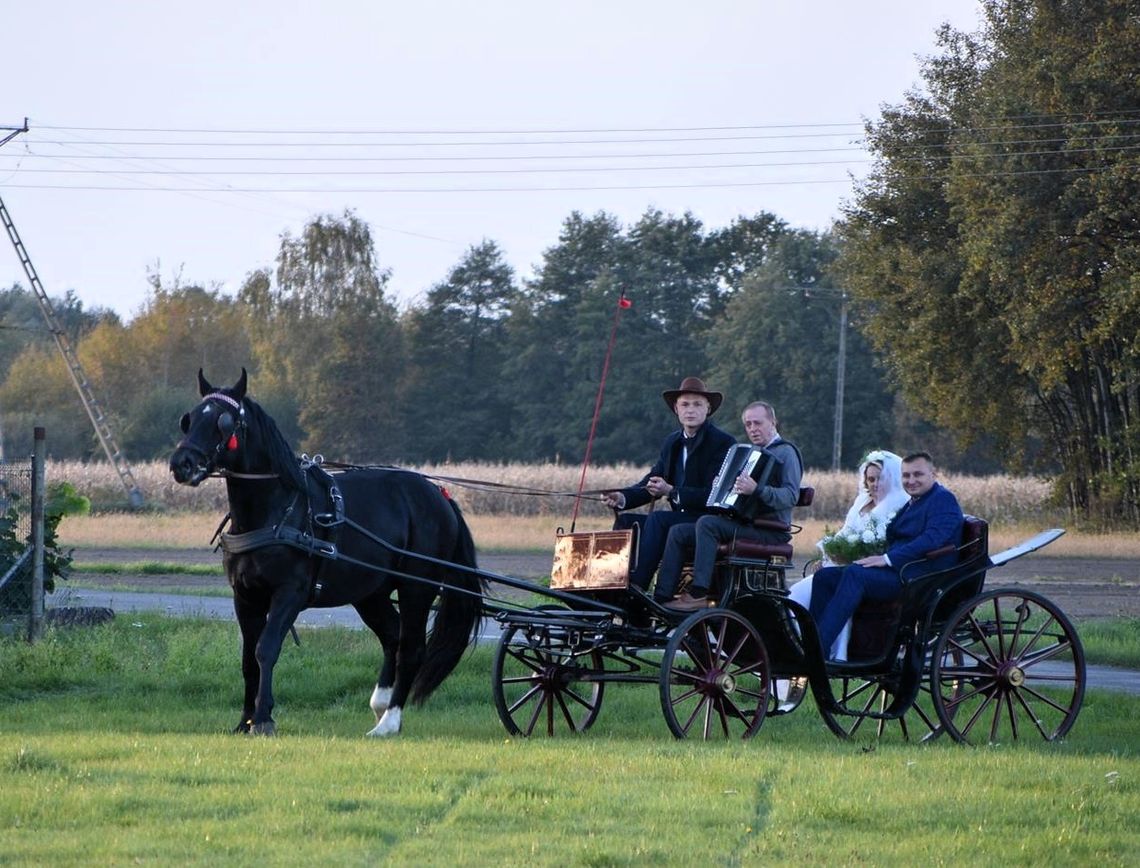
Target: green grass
(113, 749)
(147, 568)
(1111, 641)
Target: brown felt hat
(693, 386)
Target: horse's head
(212, 431)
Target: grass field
(113, 750)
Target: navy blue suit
(692, 485)
(930, 522)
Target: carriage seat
(754, 550)
(873, 624)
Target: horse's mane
(282, 460)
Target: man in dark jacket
(930, 520)
(683, 474)
(772, 501)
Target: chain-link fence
(21, 608)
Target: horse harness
(314, 533)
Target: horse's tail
(457, 621)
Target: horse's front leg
(282, 613)
(414, 609)
(251, 621)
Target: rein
(466, 482)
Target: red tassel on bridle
(232, 443)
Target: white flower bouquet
(848, 546)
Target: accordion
(741, 458)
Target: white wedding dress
(890, 499)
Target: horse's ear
(240, 386)
(204, 388)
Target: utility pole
(75, 370)
(840, 377)
(840, 364)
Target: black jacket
(705, 458)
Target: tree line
(989, 264)
(487, 366)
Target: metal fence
(21, 526)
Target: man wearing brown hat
(683, 474)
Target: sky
(183, 140)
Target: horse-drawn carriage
(949, 656)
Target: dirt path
(1082, 587)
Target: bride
(880, 496)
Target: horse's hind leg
(380, 616)
(414, 609)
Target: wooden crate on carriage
(592, 560)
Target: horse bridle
(228, 427)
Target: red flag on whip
(623, 304)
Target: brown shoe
(688, 603)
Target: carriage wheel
(865, 696)
(1008, 663)
(538, 682)
(715, 677)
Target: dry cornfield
(548, 490)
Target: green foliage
(457, 343)
(778, 341)
(324, 332)
(999, 225)
(62, 499)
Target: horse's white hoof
(389, 724)
(267, 728)
(381, 696)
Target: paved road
(221, 608)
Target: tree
(544, 336)
(35, 373)
(327, 340)
(779, 342)
(145, 372)
(1002, 225)
(38, 391)
(457, 350)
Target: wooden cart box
(594, 560)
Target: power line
(857, 147)
(552, 189)
(1103, 116)
(550, 170)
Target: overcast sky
(186, 138)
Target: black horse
(302, 538)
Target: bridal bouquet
(848, 546)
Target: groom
(930, 520)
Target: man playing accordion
(771, 498)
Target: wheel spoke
(1007, 701)
(1045, 654)
(525, 698)
(1033, 716)
(1040, 697)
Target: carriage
(948, 656)
(983, 665)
